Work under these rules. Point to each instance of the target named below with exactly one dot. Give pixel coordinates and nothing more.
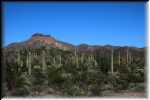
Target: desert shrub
(140, 87)
(22, 91)
(55, 77)
(17, 81)
(39, 80)
(95, 90)
(96, 81)
(23, 86)
(112, 82)
(117, 82)
(4, 89)
(136, 87)
(73, 90)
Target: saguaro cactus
(119, 58)
(130, 57)
(28, 62)
(18, 58)
(43, 60)
(76, 58)
(60, 59)
(127, 56)
(112, 67)
(95, 62)
(92, 59)
(82, 58)
(54, 60)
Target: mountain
(39, 40)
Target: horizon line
(83, 43)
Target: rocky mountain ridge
(39, 40)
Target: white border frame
(148, 74)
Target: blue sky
(95, 23)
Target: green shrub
(137, 87)
(22, 91)
(23, 86)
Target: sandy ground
(128, 95)
(121, 94)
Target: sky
(94, 23)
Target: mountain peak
(39, 39)
(40, 34)
(42, 37)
